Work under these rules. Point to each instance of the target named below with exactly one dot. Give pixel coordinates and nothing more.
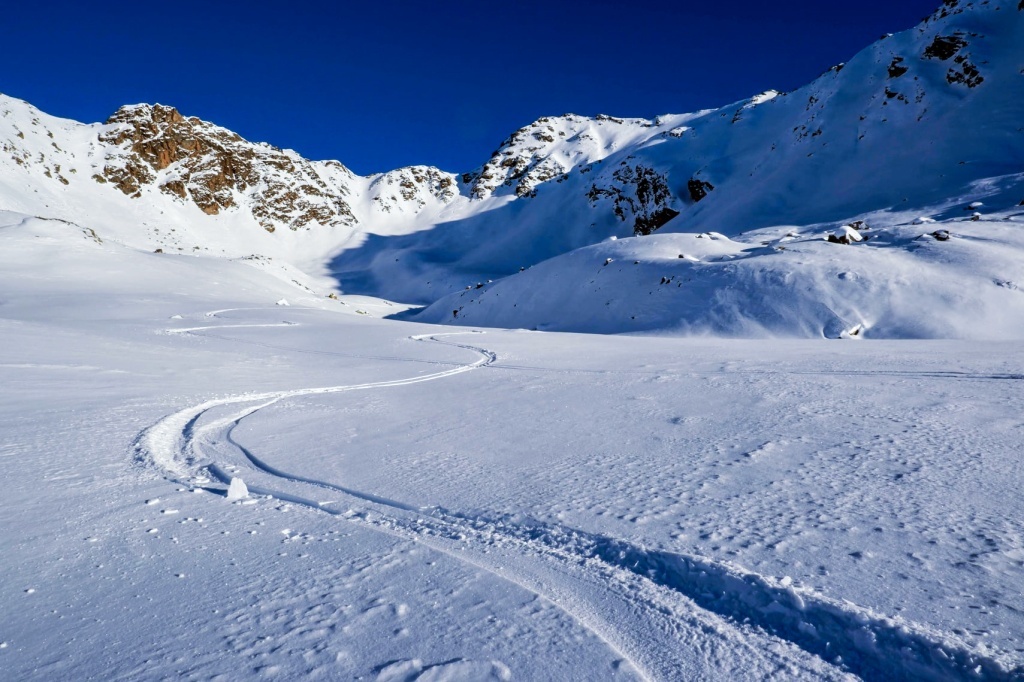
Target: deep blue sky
(384, 84)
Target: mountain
(785, 214)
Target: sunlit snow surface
(499, 505)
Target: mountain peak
(218, 170)
(156, 113)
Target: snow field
(571, 506)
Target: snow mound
(237, 490)
(899, 281)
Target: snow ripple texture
(856, 640)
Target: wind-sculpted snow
(575, 506)
(903, 278)
(871, 646)
(200, 441)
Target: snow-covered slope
(924, 123)
(427, 504)
(917, 124)
(893, 275)
(899, 126)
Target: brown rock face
(217, 170)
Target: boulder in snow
(847, 235)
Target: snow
(765, 96)
(771, 456)
(894, 279)
(237, 490)
(506, 503)
(854, 142)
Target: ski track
(307, 351)
(857, 640)
(189, 330)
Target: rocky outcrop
(698, 189)
(412, 188)
(639, 192)
(963, 71)
(944, 47)
(217, 170)
(896, 67)
(545, 151)
(520, 161)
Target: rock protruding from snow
(638, 192)
(550, 147)
(217, 170)
(412, 188)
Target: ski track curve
(173, 445)
(189, 330)
(856, 640)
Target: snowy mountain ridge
(909, 123)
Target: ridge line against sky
(389, 84)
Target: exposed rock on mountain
(216, 169)
(549, 148)
(640, 192)
(411, 188)
(698, 189)
(944, 47)
(896, 68)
